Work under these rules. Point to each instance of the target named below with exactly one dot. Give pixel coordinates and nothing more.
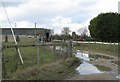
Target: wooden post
(16, 58)
(37, 45)
(4, 73)
(54, 51)
(110, 46)
(71, 45)
(69, 51)
(118, 57)
(38, 50)
(114, 47)
(38, 54)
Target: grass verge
(101, 48)
(54, 71)
(103, 68)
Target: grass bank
(101, 48)
(54, 71)
(103, 68)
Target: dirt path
(101, 76)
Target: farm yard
(59, 40)
(47, 59)
(56, 64)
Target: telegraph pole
(35, 36)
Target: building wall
(25, 34)
(23, 38)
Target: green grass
(54, 71)
(48, 69)
(102, 48)
(15, 70)
(29, 55)
(103, 68)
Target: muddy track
(101, 76)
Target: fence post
(69, 48)
(38, 55)
(4, 73)
(38, 50)
(54, 51)
(16, 57)
(119, 58)
(114, 47)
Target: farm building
(26, 34)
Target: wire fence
(32, 55)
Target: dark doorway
(47, 37)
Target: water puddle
(59, 48)
(118, 77)
(86, 68)
(83, 56)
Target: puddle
(83, 56)
(86, 68)
(87, 57)
(118, 77)
(59, 48)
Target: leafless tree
(83, 32)
(66, 31)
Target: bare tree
(66, 31)
(83, 32)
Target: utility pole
(35, 36)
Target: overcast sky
(54, 14)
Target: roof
(24, 31)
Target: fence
(39, 54)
